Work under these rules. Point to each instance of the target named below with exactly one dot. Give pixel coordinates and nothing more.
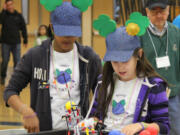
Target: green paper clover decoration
(82, 4)
(142, 21)
(51, 5)
(104, 25)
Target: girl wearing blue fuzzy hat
(132, 96)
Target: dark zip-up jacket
(34, 68)
(12, 24)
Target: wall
(33, 16)
(101, 7)
(38, 15)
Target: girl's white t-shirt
(122, 106)
(67, 66)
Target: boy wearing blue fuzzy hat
(59, 71)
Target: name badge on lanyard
(162, 62)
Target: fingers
(32, 125)
(32, 129)
(131, 129)
(128, 132)
(37, 129)
(100, 121)
(25, 45)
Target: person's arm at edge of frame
(158, 123)
(98, 65)
(2, 14)
(18, 81)
(161, 122)
(31, 122)
(24, 31)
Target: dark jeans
(174, 117)
(6, 49)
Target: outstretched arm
(19, 80)
(132, 129)
(24, 31)
(31, 121)
(2, 14)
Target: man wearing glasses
(161, 45)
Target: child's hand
(96, 120)
(31, 121)
(88, 122)
(25, 45)
(131, 129)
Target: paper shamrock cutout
(104, 25)
(51, 5)
(82, 5)
(68, 71)
(137, 24)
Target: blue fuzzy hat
(120, 46)
(66, 20)
(121, 42)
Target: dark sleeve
(20, 77)
(158, 107)
(23, 29)
(94, 111)
(95, 71)
(2, 15)
(95, 79)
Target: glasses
(156, 12)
